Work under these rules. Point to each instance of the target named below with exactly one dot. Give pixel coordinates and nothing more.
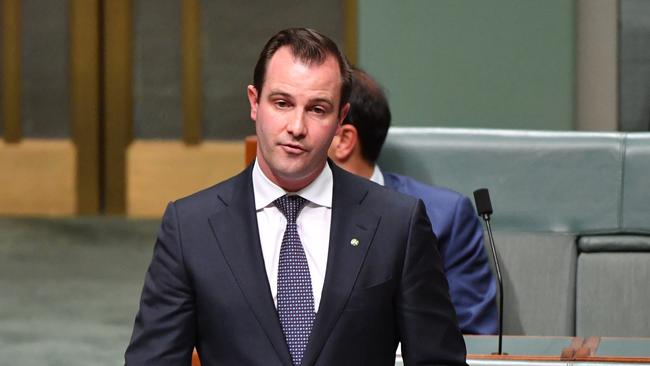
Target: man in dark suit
(356, 148)
(295, 261)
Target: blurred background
(121, 106)
(111, 108)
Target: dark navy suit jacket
(460, 242)
(207, 286)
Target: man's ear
(251, 92)
(344, 143)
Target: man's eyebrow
(279, 93)
(322, 100)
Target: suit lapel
(235, 227)
(351, 234)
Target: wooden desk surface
(556, 351)
(550, 351)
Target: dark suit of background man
(356, 148)
(375, 276)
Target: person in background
(295, 261)
(356, 148)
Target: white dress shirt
(377, 176)
(313, 225)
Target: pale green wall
(473, 63)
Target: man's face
(296, 115)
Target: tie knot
(290, 206)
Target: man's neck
(359, 167)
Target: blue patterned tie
(295, 296)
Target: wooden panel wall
(100, 168)
(37, 176)
(191, 70)
(85, 101)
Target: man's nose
(297, 126)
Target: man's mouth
(293, 148)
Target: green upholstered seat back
(539, 274)
(538, 181)
(547, 189)
(636, 184)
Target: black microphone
(484, 210)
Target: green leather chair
(553, 193)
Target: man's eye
(319, 110)
(281, 104)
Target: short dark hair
(310, 47)
(369, 114)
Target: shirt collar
(377, 176)
(318, 192)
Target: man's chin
(296, 178)
(292, 176)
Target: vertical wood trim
(191, 70)
(10, 89)
(118, 100)
(351, 46)
(250, 149)
(84, 85)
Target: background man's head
(357, 145)
(308, 46)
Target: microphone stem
(499, 279)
